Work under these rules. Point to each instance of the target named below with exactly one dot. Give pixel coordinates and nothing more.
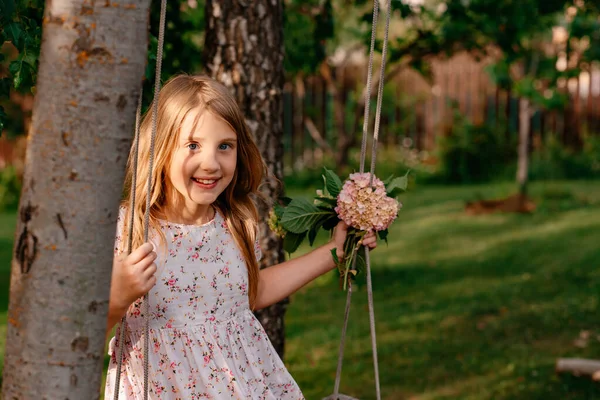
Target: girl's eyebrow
(199, 139)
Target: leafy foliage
(471, 153)
(515, 34)
(184, 39)
(20, 24)
(10, 188)
(300, 218)
(308, 26)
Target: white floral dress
(205, 343)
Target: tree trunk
(244, 50)
(523, 151)
(91, 68)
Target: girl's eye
(224, 146)
(193, 146)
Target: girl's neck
(198, 215)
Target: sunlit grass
(466, 307)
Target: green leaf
(292, 241)
(312, 233)
(331, 222)
(23, 70)
(279, 210)
(383, 235)
(335, 257)
(329, 202)
(325, 191)
(285, 200)
(361, 260)
(30, 57)
(333, 184)
(301, 215)
(7, 9)
(397, 185)
(14, 33)
(15, 69)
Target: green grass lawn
(467, 307)
(7, 230)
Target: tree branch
(316, 135)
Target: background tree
(308, 25)
(243, 49)
(90, 74)
(517, 37)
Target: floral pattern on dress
(205, 343)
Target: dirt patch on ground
(512, 204)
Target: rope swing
(336, 394)
(159, 55)
(157, 86)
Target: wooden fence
(416, 111)
(323, 116)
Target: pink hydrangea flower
(366, 207)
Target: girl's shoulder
(121, 213)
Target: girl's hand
(132, 276)
(339, 237)
(369, 240)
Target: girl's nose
(209, 161)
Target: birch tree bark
(91, 67)
(244, 50)
(523, 149)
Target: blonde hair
(181, 95)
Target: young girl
(201, 268)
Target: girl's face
(203, 162)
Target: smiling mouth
(205, 183)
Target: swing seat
(339, 397)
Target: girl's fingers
(370, 240)
(150, 283)
(140, 253)
(150, 271)
(146, 262)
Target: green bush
(10, 189)
(555, 161)
(473, 153)
(391, 160)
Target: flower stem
(352, 242)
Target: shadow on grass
(484, 320)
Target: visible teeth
(206, 181)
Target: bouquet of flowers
(363, 203)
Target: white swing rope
(362, 168)
(159, 56)
(362, 164)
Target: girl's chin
(205, 199)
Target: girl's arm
(279, 281)
(115, 313)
